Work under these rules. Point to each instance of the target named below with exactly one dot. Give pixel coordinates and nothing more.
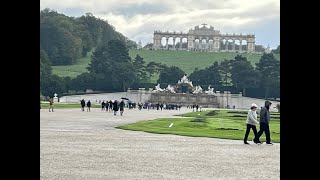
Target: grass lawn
(222, 125)
(189, 60)
(73, 70)
(64, 106)
(186, 60)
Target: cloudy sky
(137, 19)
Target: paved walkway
(85, 145)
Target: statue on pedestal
(158, 89)
(210, 90)
(198, 90)
(170, 89)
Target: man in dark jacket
(88, 106)
(83, 104)
(264, 123)
(103, 104)
(115, 107)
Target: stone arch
(211, 45)
(195, 43)
(163, 42)
(223, 43)
(184, 42)
(230, 42)
(178, 40)
(170, 42)
(237, 44)
(244, 45)
(203, 43)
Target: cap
(254, 105)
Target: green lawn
(186, 60)
(73, 70)
(64, 106)
(189, 60)
(222, 125)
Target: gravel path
(85, 145)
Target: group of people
(252, 121)
(159, 106)
(196, 107)
(108, 106)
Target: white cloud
(138, 19)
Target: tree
(268, 68)
(170, 75)
(243, 74)
(276, 51)
(140, 68)
(52, 84)
(112, 62)
(153, 67)
(45, 66)
(225, 71)
(214, 75)
(207, 76)
(66, 39)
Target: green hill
(186, 60)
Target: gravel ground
(85, 145)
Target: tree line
(112, 69)
(66, 39)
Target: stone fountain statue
(210, 90)
(158, 89)
(170, 89)
(184, 79)
(198, 90)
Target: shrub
(199, 120)
(212, 113)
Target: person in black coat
(121, 105)
(110, 106)
(115, 107)
(88, 106)
(83, 104)
(107, 106)
(103, 104)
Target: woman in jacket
(251, 122)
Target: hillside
(186, 60)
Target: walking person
(121, 105)
(115, 107)
(252, 121)
(264, 123)
(83, 104)
(51, 105)
(110, 106)
(103, 104)
(88, 106)
(107, 106)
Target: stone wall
(220, 99)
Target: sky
(138, 19)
